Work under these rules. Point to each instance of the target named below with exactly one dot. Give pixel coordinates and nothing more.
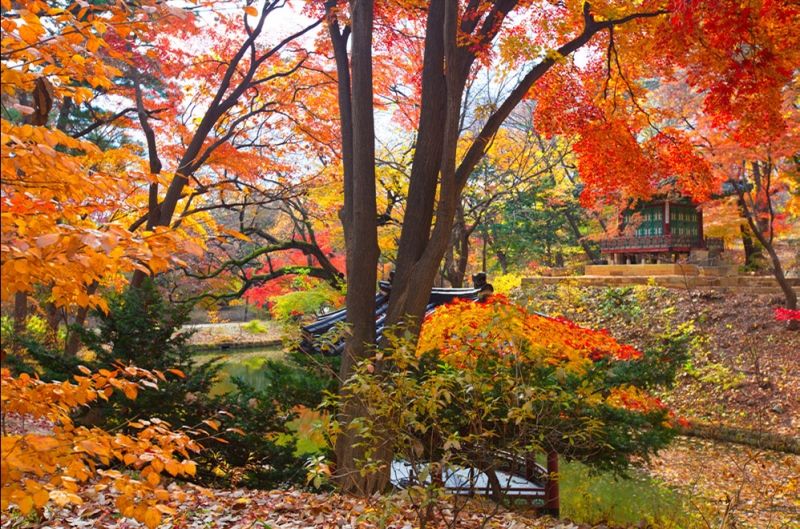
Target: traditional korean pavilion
(662, 229)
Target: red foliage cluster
(784, 314)
(497, 328)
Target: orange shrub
(55, 466)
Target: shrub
(35, 330)
(306, 299)
(143, 329)
(506, 283)
(264, 452)
(490, 378)
(51, 466)
(256, 327)
(620, 302)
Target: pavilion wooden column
(551, 501)
(700, 225)
(667, 229)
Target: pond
(247, 364)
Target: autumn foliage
(59, 463)
(463, 330)
(480, 335)
(63, 221)
(490, 377)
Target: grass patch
(256, 327)
(638, 500)
(249, 365)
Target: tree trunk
(426, 163)
(362, 261)
(20, 312)
(73, 341)
(53, 315)
(457, 255)
(763, 232)
(752, 252)
(573, 224)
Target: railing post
(551, 500)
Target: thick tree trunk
(457, 255)
(360, 211)
(427, 160)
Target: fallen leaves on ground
(759, 489)
(291, 509)
(743, 366)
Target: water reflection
(247, 364)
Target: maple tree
(718, 117)
(460, 36)
(104, 139)
(488, 379)
(59, 188)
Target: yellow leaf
(152, 518)
(173, 467)
(43, 443)
(189, 467)
(130, 391)
(161, 494)
(60, 497)
(25, 504)
(40, 498)
(153, 478)
(212, 423)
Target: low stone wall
(755, 284)
(661, 269)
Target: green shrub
(262, 452)
(35, 328)
(620, 302)
(291, 306)
(143, 329)
(256, 327)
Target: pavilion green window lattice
(652, 221)
(684, 221)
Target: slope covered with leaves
(742, 366)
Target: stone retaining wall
(755, 284)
